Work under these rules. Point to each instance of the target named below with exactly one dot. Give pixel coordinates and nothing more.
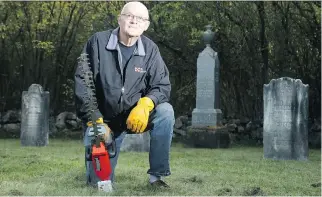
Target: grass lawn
(58, 169)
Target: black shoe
(159, 184)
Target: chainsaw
(103, 145)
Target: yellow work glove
(98, 121)
(139, 116)
(103, 129)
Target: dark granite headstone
(285, 133)
(35, 117)
(207, 137)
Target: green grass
(58, 169)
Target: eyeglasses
(138, 18)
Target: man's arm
(157, 91)
(90, 49)
(159, 86)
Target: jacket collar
(113, 42)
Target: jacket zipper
(121, 68)
(122, 77)
(122, 93)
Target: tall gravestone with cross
(285, 129)
(206, 129)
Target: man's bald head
(134, 19)
(137, 7)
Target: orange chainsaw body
(101, 162)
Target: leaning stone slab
(285, 135)
(136, 142)
(35, 117)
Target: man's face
(133, 21)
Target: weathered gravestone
(35, 117)
(285, 133)
(136, 142)
(206, 129)
(207, 112)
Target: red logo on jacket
(139, 70)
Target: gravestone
(136, 142)
(35, 117)
(285, 135)
(207, 112)
(206, 130)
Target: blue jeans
(160, 126)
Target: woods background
(256, 41)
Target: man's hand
(139, 116)
(102, 129)
(98, 121)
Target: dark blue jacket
(118, 90)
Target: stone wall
(245, 131)
(66, 125)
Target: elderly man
(132, 89)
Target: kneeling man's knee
(165, 111)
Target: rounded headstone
(285, 129)
(35, 117)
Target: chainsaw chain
(87, 77)
(90, 100)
